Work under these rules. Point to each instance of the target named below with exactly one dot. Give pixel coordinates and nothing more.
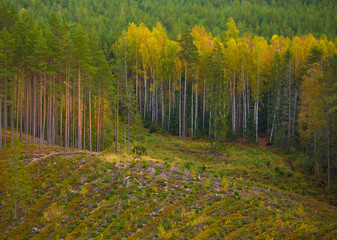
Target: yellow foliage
(84, 190)
(52, 212)
(161, 231)
(311, 117)
(225, 183)
(199, 220)
(193, 174)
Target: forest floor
(175, 190)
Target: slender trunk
(17, 105)
(54, 119)
(79, 143)
(12, 118)
(204, 103)
(274, 116)
(244, 111)
(294, 112)
(192, 114)
(98, 118)
(184, 107)
(31, 109)
(127, 95)
(289, 105)
(41, 125)
(117, 112)
(169, 117)
(329, 178)
(256, 115)
(34, 106)
(67, 102)
(234, 106)
(84, 129)
(209, 124)
(196, 109)
(1, 117)
(102, 124)
(73, 117)
(145, 87)
(215, 141)
(21, 114)
(44, 105)
(180, 134)
(162, 105)
(5, 113)
(90, 142)
(136, 74)
(49, 118)
(61, 114)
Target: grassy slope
(178, 190)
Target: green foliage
(194, 206)
(17, 179)
(139, 150)
(153, 128)
(263, 18)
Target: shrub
(188, 165)
(279, 171)
(139, 150)
(153, 129)
(307, 164)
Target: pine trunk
(34, 106)
(61, 114)
(169, 117)
(17, 106)
(184, 107)
(21, 99)
(1, 117)
(98, 120)
(5, 113)
(145, 100)
(79, 143)
(84, 128)
(162, 106)
(102, 124)
(180, 126)
(44, 105)
(117, 112)
(192, 114)
(12, 119)
(90, 138)
(329, 173)
(196, 109)
(234, 107)
(41, 126)
(256, 114)
(54, 114)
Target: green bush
(139, 150)
(153, 129)
(307, 164)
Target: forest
(77, 74)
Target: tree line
(61, 86)
(235, 86)
(260, 17)
(55, 81)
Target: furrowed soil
(175, 190)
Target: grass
(177, 190)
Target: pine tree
(82, 58)
(217, 94)
(188, 54)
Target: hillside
(176, 190)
